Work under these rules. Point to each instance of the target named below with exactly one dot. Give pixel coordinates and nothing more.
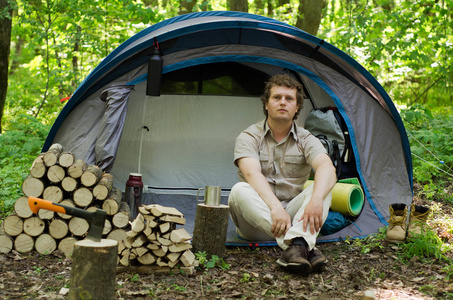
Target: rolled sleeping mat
(346, 198)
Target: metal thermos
(133, 194)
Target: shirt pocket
(266, 167)
(293, 166)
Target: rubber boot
(418, 219)
(396, 231)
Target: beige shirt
(286, 165)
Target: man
(275, 157)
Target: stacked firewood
(59, 177)
(155, 240)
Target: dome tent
(214, 68)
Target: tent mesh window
(232, 79)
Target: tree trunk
(209, 234)
(186, 6)
(309, 15)
(99, 281)
(238, 5)
(5, 43)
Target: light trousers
(253, 219)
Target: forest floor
(354, 267)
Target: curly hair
(286, 81)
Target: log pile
(61, 178)
(154, 239)
(151, 240)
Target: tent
(214, 68)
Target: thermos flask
(133, 194)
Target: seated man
(275, 157)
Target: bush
(19, 146)
(429, 131)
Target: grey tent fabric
(111, 126)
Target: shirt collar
(292, 131)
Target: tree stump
(211, 224)
(93, 270)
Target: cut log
(78, 226)
(69, 184)
(99, 280)
(107, 227)
(162, 262)
(164, 227)
(32, 187)
(58, 229)
(77, 168)
(120, 219)
(52, 155)
(173, 219)
(117, 235)
(138, 225)
(45, 214)
(211, 223)
(38, 168)
(66, 245)
(164, 241)
(179, 247)
(159, 252)
(66, 202)
(179, 235)
(138, 242)
(113, 203)
(124, 260)
(91, 176)
(56, 173)
(82, 197)
(6, 243)
(34, 226)
(24, 243)
(21, 208)
(173, 256)
(141, 251)
(146, 259)
(53, 193)
(66, 159)
(102, 190)
(187, 258)
(151, 221)
(13, 225)
(45, 244)
(159, 210)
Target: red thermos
(133, 194)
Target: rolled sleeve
(247, 145)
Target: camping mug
(211, 195)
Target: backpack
(329, 127)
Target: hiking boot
(295, 259)
(316, 259)
(396, 231)
(417, 219)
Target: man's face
(282, 104)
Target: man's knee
(238, 192)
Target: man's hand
(281, 221)
(313, 215)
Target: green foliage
(424, 246)
(19, 146)
(215, 261)
(406, 45)
(429, 131)
(370, 243)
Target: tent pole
(141, 136)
